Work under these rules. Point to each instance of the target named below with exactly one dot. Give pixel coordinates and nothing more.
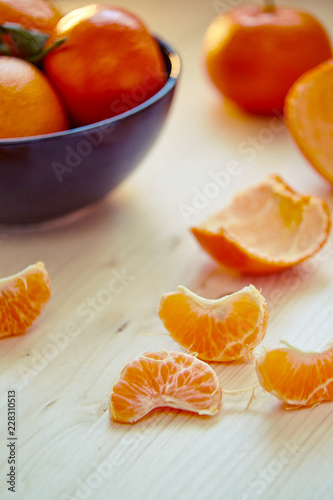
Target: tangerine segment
(309, 117)
(217, 330)
(128, 66)
(296, 377)
(266, 228)
(29, 105)
(23, 296)
(159, 379)
(255, 53)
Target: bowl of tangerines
(82, 99)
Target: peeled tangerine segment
(267, 228)
(309, 117)
(217, 330)
(159, 379)
(23, 296)
(297, 377)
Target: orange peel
(266, 229)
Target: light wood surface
(64, 367)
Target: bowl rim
(175, 66)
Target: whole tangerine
(37, 14)
(254, 54)
(108, 64)
(308, 114)
(29, 105)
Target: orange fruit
(28, 104)
(254, 53)
(23, 296)
(217, 330)
(266, 228)
(159, 379)
(297, 377)
(309, 117)
(34, 14)
(128, 66)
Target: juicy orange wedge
(309, 117)
(297, 377)
(267, 228)
(23, 296)
(159, 379)
(217, 330)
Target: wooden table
(64, 367)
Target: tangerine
(254, 54)
(29, 105)
(159, 379)
(23, 296)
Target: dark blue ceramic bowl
(48, 176)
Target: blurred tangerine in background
(28, 103)
(37, 14)
(23, 297)
(255, 53)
